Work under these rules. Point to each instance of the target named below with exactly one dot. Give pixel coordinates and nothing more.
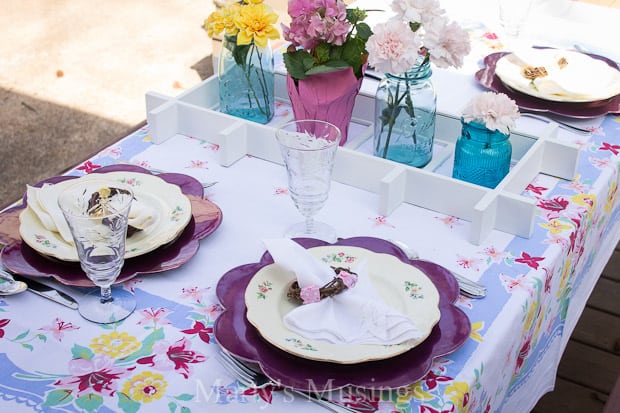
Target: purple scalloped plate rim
(236, 335)
(22, 259)
(487, 78)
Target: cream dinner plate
(571, 76)
(171, 213)
(400, 285)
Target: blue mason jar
(405, 112)
(482, 156)
(246, 79)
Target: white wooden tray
(195, 113)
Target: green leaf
(147, 345)
(297, 63)
(127, 404)
(363, 31)
(414, 26)
(21, 336)
(240, 53)
(42, 337)
(184, 397)
(322, 53)
(356, 15)
(330, 67)
(58, 398)
(81, 352)
(185, 409)
(27, 346)
(172, 407)
(89, 402)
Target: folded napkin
(570, 76)
(357, 315)
(44, 203)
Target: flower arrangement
(419, 33)
(496, 111)
(248, 25)
(325, 36)
(251, 21)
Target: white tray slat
(195, 113)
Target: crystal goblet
(308, 148)
(96, 211)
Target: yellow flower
(475, 331)
(223, 20)
(255, 23)
(456, 393)
(115, 344)
(555, 226)
(145, 387)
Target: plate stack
(168, 218)
(252, 327)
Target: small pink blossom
(347, 278)
(496, 111)
(154, 316)
(58, 328)
(310, 294)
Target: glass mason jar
(482, 156)
(405, 111)
(246, 77)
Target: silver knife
(48, 291)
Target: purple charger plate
(206, 218)
(236, 335)
(488, 79)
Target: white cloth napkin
(44, 202)
(357, 315)
(582, 79)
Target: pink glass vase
(327, 96)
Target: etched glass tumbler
(97, 213)
(308, 148)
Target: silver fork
(564, 125)
(257, 380)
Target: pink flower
(393, 47)
(496, 111)
(448, 43)
(422, 11)
(98, 374)
(177, 356)
(155, 316)
(310, 294)
(58, 328)
(349, 279)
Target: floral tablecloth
(163, 357)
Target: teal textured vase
(405, 112)
(481, 156)
(246, 79)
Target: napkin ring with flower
(343, 280)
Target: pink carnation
(310, 294)
(393, 47)
(494, 110)
(448, 43)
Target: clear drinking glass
(308, 148)
(97, 211)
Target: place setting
(317, 313)
(568, 83)
(103, 229)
